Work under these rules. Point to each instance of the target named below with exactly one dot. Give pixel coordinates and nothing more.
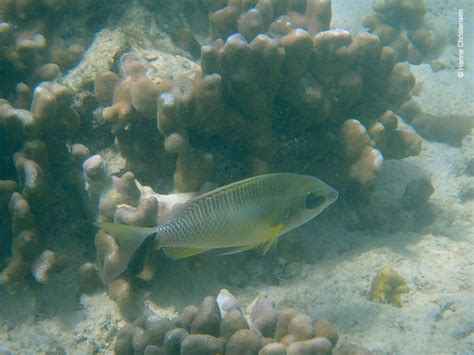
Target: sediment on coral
(283, 86)
(283, 78)
(276, 90)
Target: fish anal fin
(269, 242)
(181, 253)
(235, 250)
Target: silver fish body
(242, 213)
(236, 217)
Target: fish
(237, 217)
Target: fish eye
(314, 199)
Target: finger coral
(36, 48)
(45, 122)
(401, 25)
(25, 243)
(276, 89)
(273, 71)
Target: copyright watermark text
(460, 43)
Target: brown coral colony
(271, 73)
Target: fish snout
(332, 196)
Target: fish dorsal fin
(181, 253)
(232, 185)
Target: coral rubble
(388, 287)
(198, 332)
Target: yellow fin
(274, 234)
(181, 253)
(235, 250)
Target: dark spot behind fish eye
(314, 199)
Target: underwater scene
(261, 177)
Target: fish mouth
(332, 196)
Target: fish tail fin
(129, 239)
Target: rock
(201, 344)
(140, 340)
(173, 340)
(123, 341)
(284, 317)
(273, 349)
(243, 342)
(188, 315)
(208, 318)
(157, 329)
(227, 302)
(315, 346)
(264, 317)
(232, 322)
(324, 329)
(153, 350)
(301, 326)
(417, 193)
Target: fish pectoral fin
(272, 241)
(235, 250)
(181, 253)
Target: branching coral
(124, 200)
(25, 243)
(401, 25)
(253, 17)
(31, 136)
(278, 77)
(132, 115)
(276, 91)
(36, 41)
